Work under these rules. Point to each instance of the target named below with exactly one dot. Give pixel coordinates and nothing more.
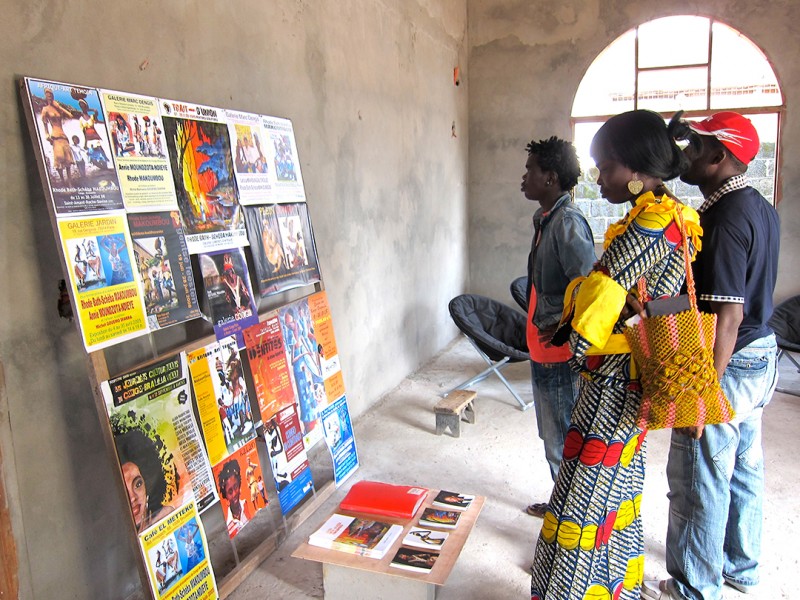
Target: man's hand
(693, 432)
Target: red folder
(377, 498)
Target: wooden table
(352, 577)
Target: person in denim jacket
(716, 473)
(561, 250)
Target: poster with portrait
(340, 441)
(283, 247)
(240, 483)
(140, 151)
(223, 401)
(282, 148)
(226, 280)
(73, 143)
(163, 462)
(99, 258)
(164, 268)
(288, 458)
(176, 555)
(199, 151)
(253, 170)
(267, 357)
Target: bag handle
(690, 287)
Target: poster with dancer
(231, 305)
(199, 151)
(340, 441)
(68, 123)
(164, 267)
(288, 181)
(176, 554)
(163, 462)
(140, 151)
(313, 359)
(253, 171)
(267, 359)
(288, 458)
(283, 247)
(240, 483)
(223, 401)
(99, 256)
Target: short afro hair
(559, 156)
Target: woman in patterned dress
(591, 545)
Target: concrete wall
(526, 61)
(369, 87)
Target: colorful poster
(140, 151)
(313, 359)
(288, 181)
(267, 359)
(288, 458)
(253, 170)
(99, 257)
(68, 123)
(200, 158)
(241, 487)
(158, 444)
(164, 267)
(283, 247)
(340, 441)
(176, 554)
(231, 305)
(223, 402)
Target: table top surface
(448, 554)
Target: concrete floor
(501, 457)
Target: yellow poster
(99, 255)
(176, 554)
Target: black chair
(519, 291)
(496, 331)
(785, 322)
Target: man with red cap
(716, 473)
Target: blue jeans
(716, 485)
(555, 389)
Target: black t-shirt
(739, 259)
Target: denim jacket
(565, 251)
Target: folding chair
(519, 291)
(785, 322)
(496, 331)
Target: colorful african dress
(591, 544)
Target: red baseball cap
(735, 132)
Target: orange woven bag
(675, 357)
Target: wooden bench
(452, 409)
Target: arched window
(713, 68)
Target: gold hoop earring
(635, 185)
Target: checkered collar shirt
(737, 182)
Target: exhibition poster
(326, 345)
(176, 554)
(288, 181)
(288, 458)
(267, 357)
(253, 171)
(161, 456)
(283, 247)
(340, 441)
(226, 280)
(240, 483)
(223, 402)
(74, 143)
(164, 267)
(202, 168)
(99, 258)
(140, 151)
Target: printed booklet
(429, 539)
(452, 500)
(444, 519)
(411, 559)
(357, 536)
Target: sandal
(537, 510)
